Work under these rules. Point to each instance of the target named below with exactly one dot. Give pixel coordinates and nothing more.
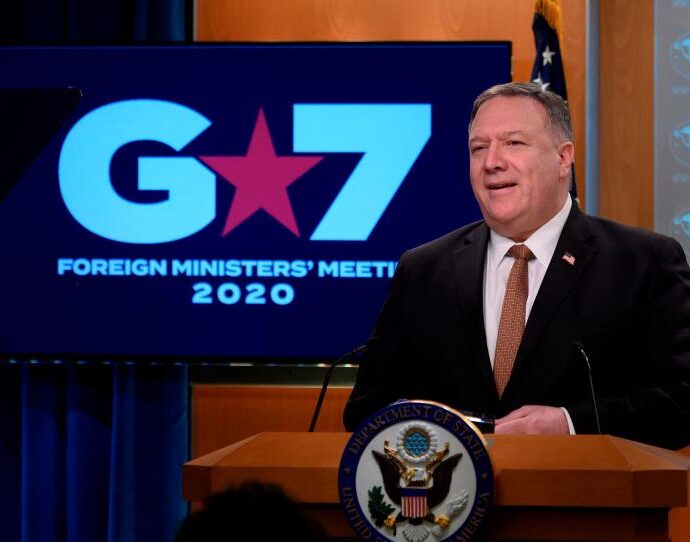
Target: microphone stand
(327, 378)
(581, 349)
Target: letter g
(84, 173)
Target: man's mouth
(501, 186)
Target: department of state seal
(416, 471)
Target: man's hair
(556, 107)
(253, 511)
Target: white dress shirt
(497, 267)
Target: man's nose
(493, 158)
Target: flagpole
(592, 109)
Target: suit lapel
(559, 280)
(468, 261)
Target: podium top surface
(580, 470)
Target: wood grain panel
(223, 414)
(627, 111)
(406, 20)
(679, 518)
(574, 56)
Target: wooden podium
(582, 487)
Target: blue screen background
(71, 315)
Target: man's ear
(566, 155)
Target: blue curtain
(92, 451)
(94, 21)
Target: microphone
(581, 350)
(484, 423)
(326, 379)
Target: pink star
(261, 179)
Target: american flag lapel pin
(569, 258)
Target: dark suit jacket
(626, 298)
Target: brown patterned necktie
(512, 324)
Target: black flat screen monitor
(232, 201)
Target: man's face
(519, 174)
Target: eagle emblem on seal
(417, 478)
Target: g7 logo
(390, 136)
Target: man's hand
(533, 420)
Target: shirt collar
(542, 242)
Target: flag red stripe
(414, 507)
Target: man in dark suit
(492, 330)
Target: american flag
(548, 64)
(413, 502)
(569, 258)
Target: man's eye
(514, 142)
(477, 148)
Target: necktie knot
(520, 252)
